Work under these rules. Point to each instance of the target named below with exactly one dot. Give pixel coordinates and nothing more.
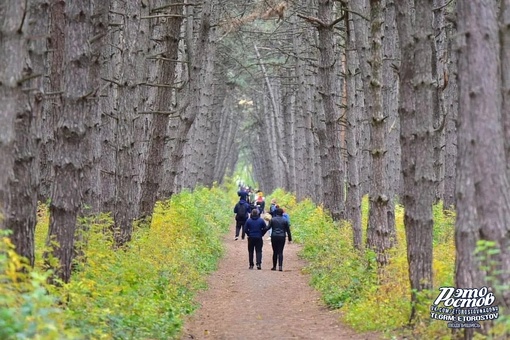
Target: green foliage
(337, 270)
(27, 311)
(283, 199)
(486, 253)
(139, 292)
(372, 299)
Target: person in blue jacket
(243, 194)
(286, 216)
(255, 228)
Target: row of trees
(99, 100)
(401, 100)
(111, 105)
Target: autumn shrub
(27, 311)
(486, 253)
(337, 270)
(372, 299)
(283, 199)
(144, 290)
(386, 306)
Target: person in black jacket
(255, 228)
(280, 228)
(242, 211)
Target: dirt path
(263, 304)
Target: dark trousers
(255, 243)
(278, 243)
(239, 226)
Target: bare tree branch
(313, 20)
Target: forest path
(262, 304)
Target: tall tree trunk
(227, 138)
(362, 34)
(133, 44)
(332, 168)
(451, 107)
(280, 166)
(316, 118)
(167, 31)
(273, 123)
(390, 103)
(199, 53)
(214, 127)
(378, 230)
(354, 112)
(439, 58)
(53, 100)
(21, 96)
(91, 143)
(305, 152)
(289, 127)
(268, 141)
(483, 202)
(108, 106)
(417, 139)
(70, 132)
(505, 75)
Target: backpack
(242, 212)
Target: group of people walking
(252, 221)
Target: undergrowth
(143, 291)
(140, 292)
(349, 279)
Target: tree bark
(353, 113)
(505, 75)
(167, 32)
(483, 202)
(201, 53)
(391, 58)
(91, 143)
(332, 167)
(438, 100)
(417, 139)
(227, 145)
(362, 34)
(130, 71)
(273, 123)
(70, 132)
(451, 98)
(303, 136)
(378, 230)
(289, 126)
(21, 97)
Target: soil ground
(262, 304)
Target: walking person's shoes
(236, 238)
(258, 267)
(280, 268)
(251, 266)
(274, 268)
